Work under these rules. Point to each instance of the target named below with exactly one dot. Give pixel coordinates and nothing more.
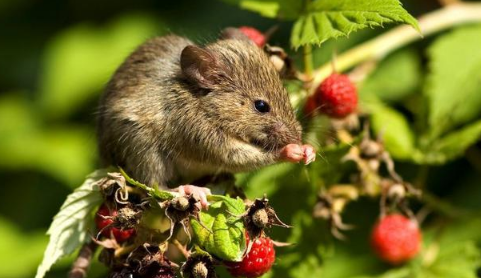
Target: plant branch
(308, 63)
(152, 191)
(181, 248)
(82, 263)
(379, 47)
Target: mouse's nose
(286, 134)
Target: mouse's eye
(262, 106)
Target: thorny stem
(422, 176)
(136, 183)
(444, 207)
(82, 263)
(123, 250)
(181, 248)
(308, 63)
(161, 195)
(379, 47)
(307, 56)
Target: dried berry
(281, 61)
(199, 265)
(396, 239)
(149, 261)
(199, 270)
(261, 215)
(255, 35)
(180, 209)
(180, 203)
(108, 226)
(260, 218)
(337, 96)
(257, 262)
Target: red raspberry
(337, 96)
(102, 222)
(258, 261)
(396, 239)
(255, 35)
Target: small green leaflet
(454, 83)
(396, 77)
(332, 19)
(452, 145)
(70, 226)
(225, 237)
(395, 130)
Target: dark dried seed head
(180, 203)
(260, 218)
(396, 192)
(261, 215)
(199, 270)
(180, 209)
(127, 218)
(199, 266)
(370, 149)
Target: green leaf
(281, 9)
(225, 237)
(396, 77)
(268, 177)
(333, 19)
(460, 260)
(454, 83)
(80, 60)
(397, 135)
(69, 229)
(452, 145)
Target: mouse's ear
(200, 66)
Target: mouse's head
(241, 92)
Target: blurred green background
(55, 58)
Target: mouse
(174, 112)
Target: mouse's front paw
(309, 154)
(297, 153)
(200, 193)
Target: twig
(442, 206)
(308, 63)
(422, 177)
(398, 37)
(181, 248)
(82, 263)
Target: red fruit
(102, 220)
(258, 261)
(337, 96)
(396, 239)
(255, 35)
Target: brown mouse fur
(174, 112)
